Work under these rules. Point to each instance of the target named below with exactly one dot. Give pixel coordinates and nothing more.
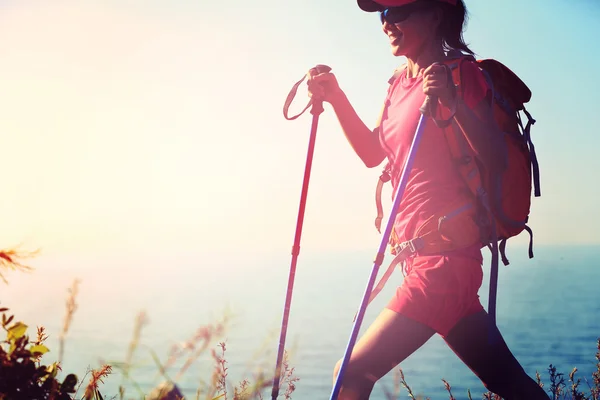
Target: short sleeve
(474, 85)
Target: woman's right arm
(363, 140)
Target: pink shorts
(440, 290)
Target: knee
(336, 369)
(495, 386)
(498, 381)
(356, 384)
(516, 385)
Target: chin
(397, 51)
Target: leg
(494, 364)
(389, 340)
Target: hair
(450, 30)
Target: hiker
(439, 293)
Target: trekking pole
(427, 109)
(316, 110)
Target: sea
(548, 311)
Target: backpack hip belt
(452, 229)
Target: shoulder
(397, 73)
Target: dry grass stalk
(10, 260)
(70, 311)
(91, 391)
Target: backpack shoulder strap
(397, 72)
(385, 174)
(461, 151)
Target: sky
(139, 126)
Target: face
(410, 28)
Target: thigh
(440, 290)
(491, 361)
(388, 341)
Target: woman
(439, 291)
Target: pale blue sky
(147, 124)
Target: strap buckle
(413, 246)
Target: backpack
(503, 201)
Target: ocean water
(548, 311)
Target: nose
(387, 27)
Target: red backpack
(504, 200)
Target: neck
(424, 59)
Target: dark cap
(380, 5)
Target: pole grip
(429, 106)
(317, 103)
(321, 68)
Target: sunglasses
(395, 15)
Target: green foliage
(22, 374)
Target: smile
(395, 38)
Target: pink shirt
(434, 180)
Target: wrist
(336, 97)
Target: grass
(24, 375)
(559, 389)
